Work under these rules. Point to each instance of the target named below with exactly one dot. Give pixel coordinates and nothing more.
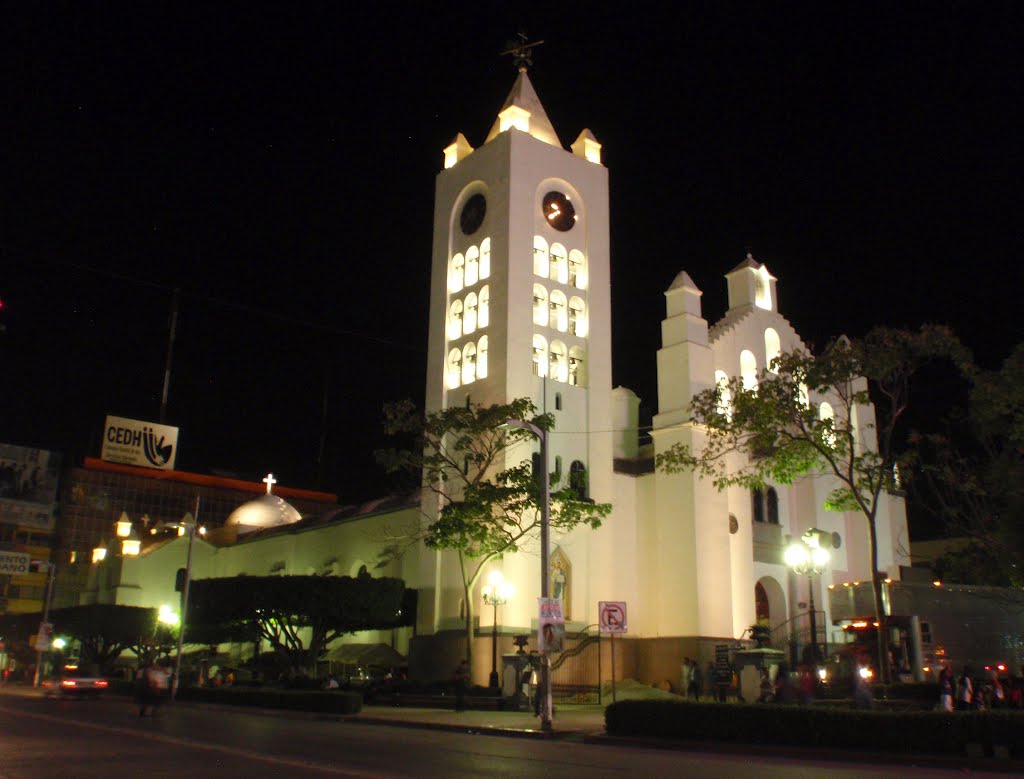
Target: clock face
(473, 213)
(558, 211)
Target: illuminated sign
(133, 442)
(14, 563)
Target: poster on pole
(612, 616)
(550, 625)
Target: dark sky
(277, 165)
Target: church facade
(520, 307)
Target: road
(40, 739)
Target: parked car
(74, 682)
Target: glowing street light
(809, 558)
(497, 592)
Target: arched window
(472, 266)
(559, 311)
(454, 368)
(558, 401)
(481, 358)
(540, 257)
(455, 320)
(559, 270)
(558, 467)
(577, 269)
(540, 305)
(577, 377)
(762, 289)
(578, 479)
(540, 356)
(757, 505)
(469, 316)
(773, 506)
(455, 272)
(485, 258)
(724, 395)
(805, 395)
(559, 369)
(828, 417)
(772, 348)
(483, 312)
(469, 363)
(748, 369)
(577, 317)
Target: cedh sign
(133, 442)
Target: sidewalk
(576, 720)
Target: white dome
(266, 511)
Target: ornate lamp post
(496, 592)
(809, 558)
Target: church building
(520, 307)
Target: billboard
(133, 442)
(28, 486)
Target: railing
(576, 672)
(790, 636)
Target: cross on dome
(270, 481)
(520, 51)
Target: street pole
(184, 598)
(814, 621)
(545, 532)
(46, 621)
(494, 649)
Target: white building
(520, 307)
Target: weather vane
(520, 51)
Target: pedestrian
(946, 688)
(998, 699)
(461, 682)
(964, 691)
(806, 686)
(684, 677)
(696, 681)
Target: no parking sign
(612, 616)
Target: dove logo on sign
(132, 442)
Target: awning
(365, 654)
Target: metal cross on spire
(520, 51)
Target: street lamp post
(496, 592)
(190, 526)
(44, 627)
(809, 558)
(545, 532)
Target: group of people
(969, 693)
(788, 687)
(695, 683)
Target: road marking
(176, 741)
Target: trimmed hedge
(934, 732)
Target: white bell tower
(520, 305)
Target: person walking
(946, 688)
(964, 690)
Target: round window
(473, 214)
(558, 211)
(837, 540)
(734, 524)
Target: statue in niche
(561, 581)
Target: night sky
(277, 165)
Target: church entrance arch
(769, 602)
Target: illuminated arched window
(455, 273)
(454, 368)
(455, 320)
(559, 270)
(805, 395)
(485, 258)
(748, 369)
(484, 305)
(826, 414)
(469, 315)
(772, 348)
(762, 289)
(559, 370)
(472, 266)
(724, 394)
(559, 311)
(540, 257)
(577, 269)
(469, 363)
(577, 317)
(577, 377)
(540, 356)
(540, 305)
(481, 358)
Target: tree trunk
(876, 590)
(467, 591)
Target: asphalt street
(40, 739)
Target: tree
(105, 631)
(299, 615)
(778, 430)
(483, 508)
(971, 477)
